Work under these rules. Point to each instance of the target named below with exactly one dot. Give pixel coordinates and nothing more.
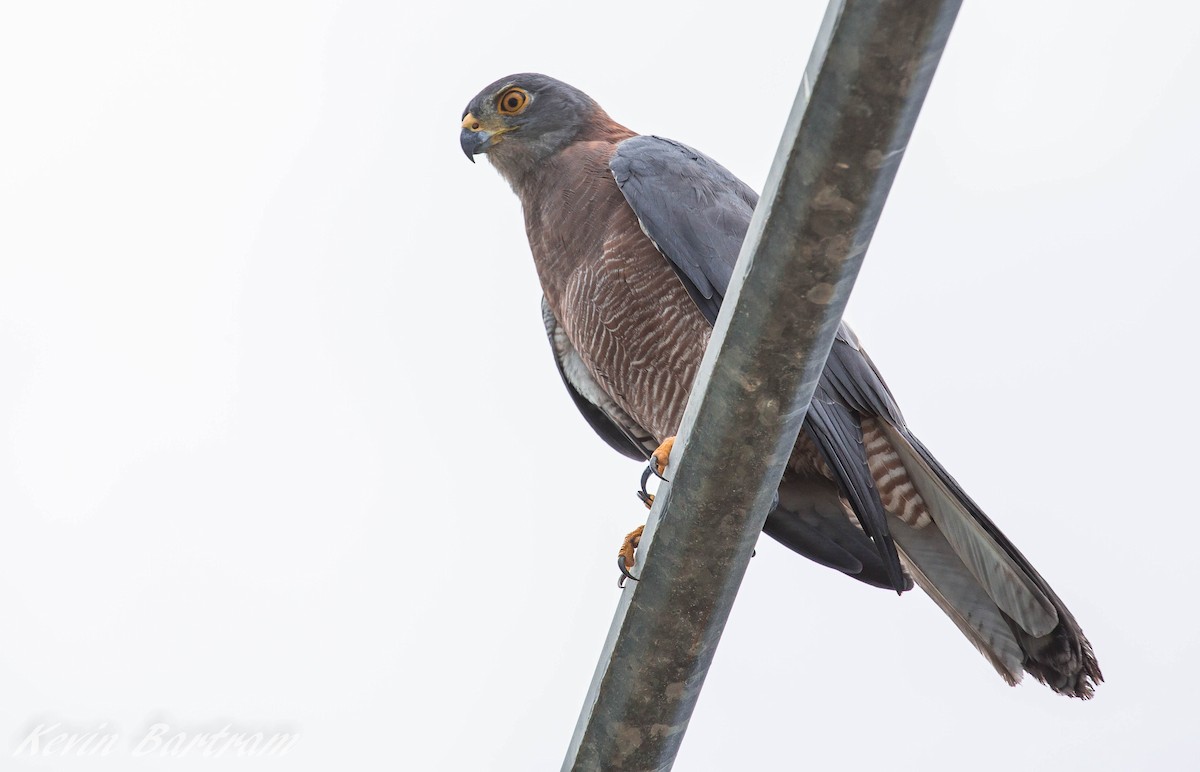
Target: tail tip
(1079, 680)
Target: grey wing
(604, 416)
(811, 520)
(694, 210)
(849, 389)
(697, 213)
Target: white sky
(277, 415)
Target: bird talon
(628, 554)
(624, 572)
(644, 494)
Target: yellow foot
(627, 557)
(662, 456)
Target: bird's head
(523, 119)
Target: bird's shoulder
(694, 210)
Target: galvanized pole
(852, 119)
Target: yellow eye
(513, 102)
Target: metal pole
(852, 119)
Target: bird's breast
(618, 299)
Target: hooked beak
(477, 138)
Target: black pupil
(512, 102)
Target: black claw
(624, 572)
(649, 470)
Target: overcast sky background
(276, 407)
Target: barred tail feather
(986, 586)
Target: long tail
(976, 575)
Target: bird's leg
(658, 464)
(626, 557)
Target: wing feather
(694, 210)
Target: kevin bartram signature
(161, 739)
